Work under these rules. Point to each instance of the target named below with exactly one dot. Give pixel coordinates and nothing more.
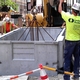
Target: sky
(38, 2)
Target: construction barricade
(23, 74)
(43, 75)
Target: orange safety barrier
(54, 69)
(61, 71)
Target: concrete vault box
(19, 53)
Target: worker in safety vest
(8, 26)
(72, 39)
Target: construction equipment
(48, 16)
(35, 19)
(39, 17)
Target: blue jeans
(72, 50)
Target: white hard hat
(76, 6)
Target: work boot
(75, 78)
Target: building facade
(22, 5)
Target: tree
(8, 3)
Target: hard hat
(76, 6)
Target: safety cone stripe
(44, 77)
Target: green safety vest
(72, 26)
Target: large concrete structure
(19, 54)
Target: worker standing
(8, 26)
(72, 39)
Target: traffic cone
(43, 75)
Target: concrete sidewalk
(58, 77)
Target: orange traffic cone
(43, 75)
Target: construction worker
(72, 39)
(6, 16)
(8, 25)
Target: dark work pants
(72, 48)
